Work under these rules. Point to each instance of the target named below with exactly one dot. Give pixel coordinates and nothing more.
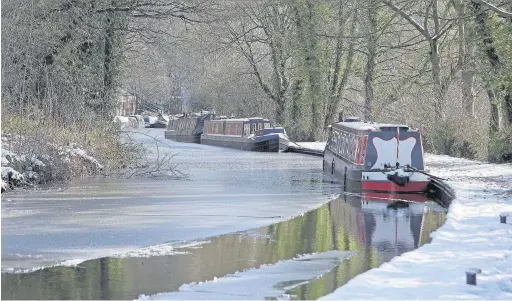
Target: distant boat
(187, 128)
(253, 134)
(376, 157)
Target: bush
(446, 140)
(500, 146)
(46, 151)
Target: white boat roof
(370, 126)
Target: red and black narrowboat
(376, 157)
(254, 134)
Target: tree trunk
(467, 89)
(335, 98)
(504, 106)
(493, 122)
(305, 23)
(464, 63)
(333, 89)
(371, 48)
(280, 112)
(435, 60)
(107, 69)
(313, 65)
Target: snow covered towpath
(472, 237)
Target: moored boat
(187, 128)
(376, 157)
(254, 134)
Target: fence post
(345, 180)
(503, 217)
(471, 276)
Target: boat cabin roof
(236, 120)
(240, 119)
(372, 127)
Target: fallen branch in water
(147, 166)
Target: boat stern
(401, 180)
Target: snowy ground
(312, 145)
(472, 237)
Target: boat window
(267, 125)
(253, 126)
(246, 129)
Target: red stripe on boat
(391, 197)
(390, 186)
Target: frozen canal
(130, 235)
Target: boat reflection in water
(378, 227)
(375, 227)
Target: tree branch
(404, 15)
(502, 13)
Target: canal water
(148, 236)
(369, 228)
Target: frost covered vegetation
(37, 153)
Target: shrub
(500, 146)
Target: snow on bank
(67, 152)
(129, 122)
(472, 237)
(259, 283)
(320, 146)
(27, 166)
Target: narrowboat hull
(158, 125)
(360, 180)
(284, 143)
(179, 136)
(186, 129)
(267, 143)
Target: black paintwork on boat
(187, 129)
(242, 143)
